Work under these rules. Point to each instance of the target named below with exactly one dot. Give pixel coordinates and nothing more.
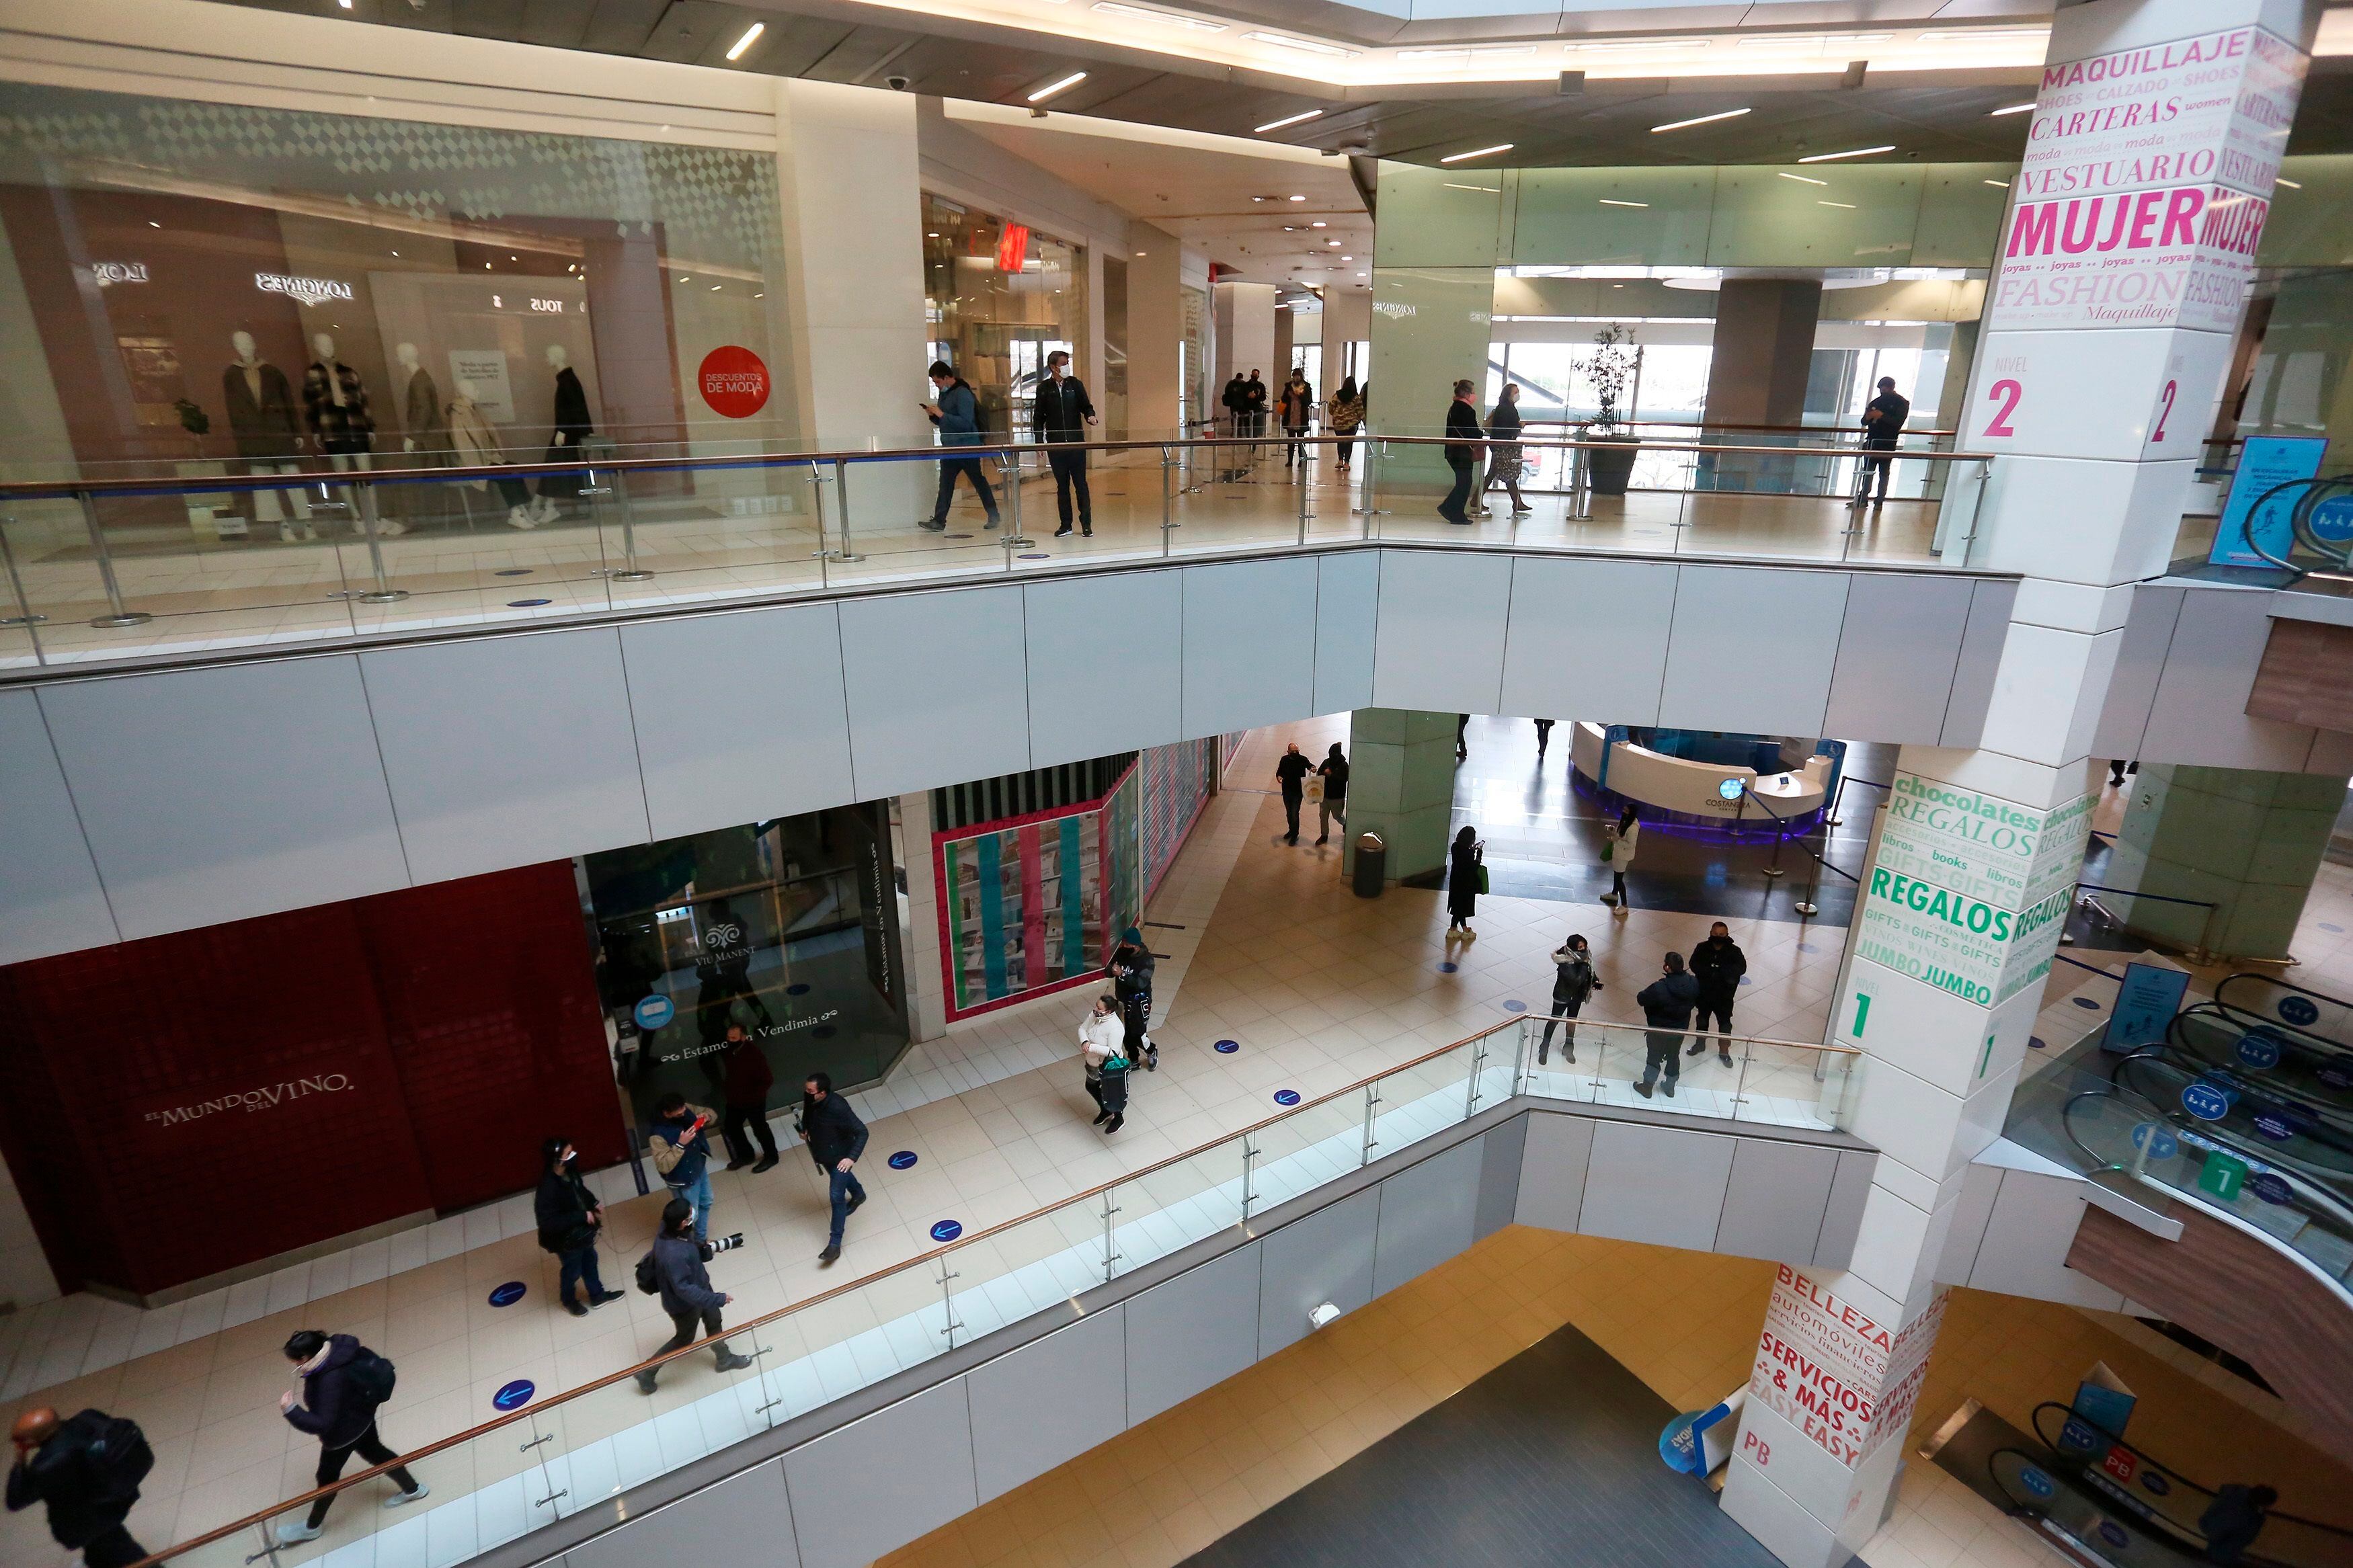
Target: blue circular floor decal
(2298, 1010)
(1745, 981)
(527, 603)
(512, 571)
(1807, 947)
(1516, 1005)
(1448, 968)
(1228, 1047)
(1286, 1097)
(2037, 1043)
(904, 1160)
(508, 1294)
(2087, 1002)
(514, 1396)
(947, 1230)
(955, 536)
(2333, 929)
(1037, 555)
(797, 988)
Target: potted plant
(1612, 366)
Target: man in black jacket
(1461, 455)
(1716, 968)
(836, 1138)
(569, 1218)
(1254, 401)
(1064, 411)
(1666, 1004)
(55, 1465)
(338, 1408)
(680, 1265)
(1882, 422)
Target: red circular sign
(735, 382)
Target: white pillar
(2123, 271)
(1245, 325)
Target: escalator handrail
(2169, 1473)
(2282, 985)
(2319, 1044)
(2175, 1058)
(2191, 1542)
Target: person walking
(1882, 422)
(570, 1219)
(2233, 1519)
(749, 1078)
(1504, 455)
(1235, 401)
(1619, 842)
(957, 416)
(1543, 737)
(1344, 415)
(1572, 981)
(1466, 871)
(1100, 1037)
(1296, 407)
(1717, 966)
(1254, 402)
(1333, 807)
(681, 1274)
(86, 1472)
(1464, 439)
(1063, 412)
(1666, 1002)
(1291, 771)
(1130, 969)
(1463, 737)
(681, 1146)
(836, 1139)
(345, 1383)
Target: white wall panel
(1589, 638)
(1106, 665)
(1188, 1333)
(1347, 616)
(1441, 631)
(2199, 715)
(1773, 1206)
(938, 688)
(2140, 665)
(1325, 1257)
(1250, 645)
(881, 1481)
(1979, 662)
(1552, 1169)
(2027, 1236)
(1048, 1402)
(507, 751)
(1429, 1212)
(218, 795)
(1753, 649)
(1897, 648)
(745, 1521)
(51, 900)
(1659, 1185)
(739, 717)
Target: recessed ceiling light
(1166, 18)
(1364, 275)
(1333, 243)
(152, 224)
(1319, 222)
(1143, 253)
(1849, 152)
(751, 36)
(2014, 108)
(1478, 152)
(1298, 198)
(1051, 87)
(716, 286)
(1703, 120)
(1306, 45)
(1300, 119)
(1802, 179)
(1347, 258)
(2291, 185)
(1609, 201)
(1847, 206)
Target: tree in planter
(1611, 367)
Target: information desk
(1704, 792)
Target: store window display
(1000, 297)
(262, 424)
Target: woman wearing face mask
(1100, 1037)
(1572, 981)
(569, 1218)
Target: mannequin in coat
(573, 425)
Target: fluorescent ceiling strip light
(2014, 108)
(1812, 40)
(1998, 185)
(751, 36)
(1051, 87)
(1849, 152)
(1166, 18)
(1638, 46)
(1703, 120)
(1305, 46)
(1483, 51)
(1802, 179)
(1607, 201)
(2291, 185)
(1847, 206)
(1478, 152)
(1300, 119)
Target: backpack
(372, 1376)
(115, 1452)
(648, 1279)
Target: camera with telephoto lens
(725, 1244)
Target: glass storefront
(791, 928)
(1000, 296)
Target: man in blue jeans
(836, 1138)
(681, 1141)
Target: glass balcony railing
(139, 565)
(580, 1447)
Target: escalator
(2248, 1114)
(2277, 1001)
(2309, 1069)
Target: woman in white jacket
(1102, 1037)
(1622, 840)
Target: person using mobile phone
(681, 1149)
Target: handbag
(1314, 792)
(1609, 849)
(1482, 876)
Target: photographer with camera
(675, 1269)
(681, 1140)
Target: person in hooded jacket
(681, 1265)
(1717, 966)
(1666, 1002)
(1131, 969)
(338, 1410)
(570, 1217)
(62, 1465)
(1333, 807)
(957, 415)
(1572, 981)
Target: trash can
(1372, 865)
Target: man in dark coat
(1716, 965)
(1667, 1003)
(680, 1265)
(63, 1464)
(1063, 412)
(569, 1217)
(749, 1078)
(338, 1408)
(836, 1138)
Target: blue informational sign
(2145, 1002)
(2274, 1126)
(904, 1160)
(947, 1230)
(2037, 1482)
(2155, 1482)
(654, 1011)
(1678, 1448)
(2299, 1011)
(2080, 1436)
(2265, 462)
(1227, 1047)
(508, 1294)
(2153, 1137)
(2271, 1187)
(2332, 520)
(514, 1396)
(1286, 1097)
(2204, 1101)
(2115, 1534)
(2258, 1048)
(2335, 1077)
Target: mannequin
(573, 425)
(477, 446)
(335, 402)
(261, 420)
(424, 435)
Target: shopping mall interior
(1716, 927)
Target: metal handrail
(969, 1238)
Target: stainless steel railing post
(25, 615)
(620, 490)
(384, 592)
(841, 510)
(119, 616)
(1167, 499)
(1015, 539)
